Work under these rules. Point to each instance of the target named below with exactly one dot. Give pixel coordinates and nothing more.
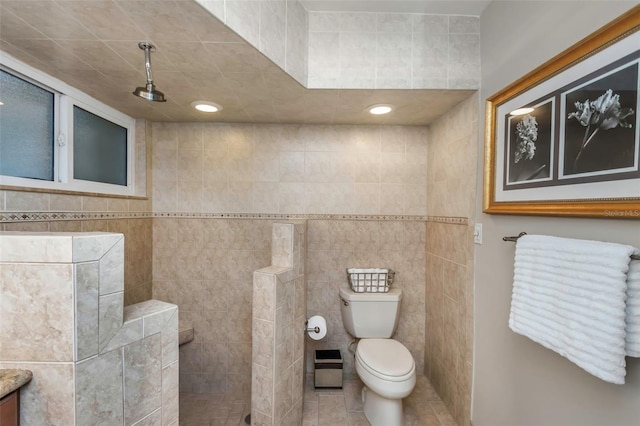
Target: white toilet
(384, 365)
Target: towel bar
(513, 239)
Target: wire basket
(371, 280)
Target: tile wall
(449, 257)
(279, 314)
(335, 245)
(86, 351)
(206, 266)
(86, 213)
(358, 50)
(303, 169)
(393, 51)
(277, 28)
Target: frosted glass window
(26, 129)
(99, 149)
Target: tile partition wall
(86, 350)
(449, 256)
(138, 242)
(42, 212)
(393, 51)
(279, 315)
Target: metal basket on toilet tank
(370, 280)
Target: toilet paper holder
(308, 329)
(316, 327)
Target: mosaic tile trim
(279, 216)
(11, 217)
(448, 219)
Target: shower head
(149, 91)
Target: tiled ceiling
(93, 46)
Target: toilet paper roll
(321, 323)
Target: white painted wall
(516, 381)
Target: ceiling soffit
(197, 58)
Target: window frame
(65, 98)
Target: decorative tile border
(280, 216)
(13, 217)
(451, 220)
(17, 217)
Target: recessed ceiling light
(206, 106)
(379, 109)
(521, 111)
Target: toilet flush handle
(346, 303)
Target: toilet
(384, 365)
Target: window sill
(67, 192)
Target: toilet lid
(386, 356)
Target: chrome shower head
(149, 91)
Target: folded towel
(633, 309)
(571, 297)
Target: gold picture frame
(587, 164)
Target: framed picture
(564, 140)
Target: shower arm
(147, 62)
(149, 91)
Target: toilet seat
(386, 359)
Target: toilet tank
(370, 315)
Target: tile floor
(329, 407)
(210, 410)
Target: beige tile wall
(453, 151)
(449, 257)
(277, 28)
(335, 245)
(206, 266)
(239, 168)
(449, 312)
(393, 51)
(358, 50)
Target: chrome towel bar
(513, 239)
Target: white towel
(571, 297)
(633, 309)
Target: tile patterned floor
(321, 407)
(213, 410)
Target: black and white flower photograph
(530, 143)
(600, 132)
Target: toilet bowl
(388, 372)
(384, 365)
